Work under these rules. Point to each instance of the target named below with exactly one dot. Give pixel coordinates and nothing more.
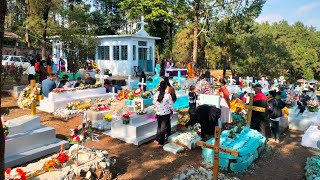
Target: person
(43, 73)
(144, 77)
(89, 79)
(107, 85)
(77, 84)
(275, 113)
(163, 64)
(115, 86)
(192, 105)
(48, 85)
(64, 82)
(302, 103)
(223, 92)
(49, 64)
(259, 121)
(208, 117)
(55, 65)
(171, 90)
(244, 97)
(208, 76)
(62, 66)
(30, 71)
(164, 109)
(202, 86)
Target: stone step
(23, 124)
(27, 156)
(26, 141)
(138, 128)
(140, 139)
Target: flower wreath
(27, 96)
(82, 133)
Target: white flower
(81, 137)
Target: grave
(57, 101)
(186, 139)
(182, 100)
(141, 129)
(213, 100)
(248, 143)
(302, 121)
(16, 91)
(29, 140)
(311, 137)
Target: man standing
(48, 85)
(259, 120)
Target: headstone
(213, 100)
(29, 140)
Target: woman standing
(224, 94)
(31, 71)
(43, 73)
(164, 109)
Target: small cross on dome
(142, 23)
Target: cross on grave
(216, 147)
(39, 97)
(230, 80)
(129, 81)
(142, 83)
(250, 107)
(179, 78)
(102, 77)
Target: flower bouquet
(4, 127)
(82, 133)
(125, 119)
(57, 90)
(28, 95)
(108, 117)
(313, 105)
(146, 95)
(18, 175)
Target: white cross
(142, 83)
(142, 23)
(129, 81)
(230, 81)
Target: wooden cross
(250, 107)
(39, 97)
(216, 147)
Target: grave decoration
(108, 117)
(176, 85)
(28, 96)
(141, 112)
(248, 144)
(5, 127)
(119, 108)
(291, 99)
(216, 149)
(187, 139)
(93, 164)
(238, 111)
(312, 168)
(125, 119)
(313, 105)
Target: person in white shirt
(164, 109)
(30, 71)
(56, 63)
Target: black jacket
(275, 108)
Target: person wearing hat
(259, 120)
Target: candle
(61, 148)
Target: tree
(3, 9)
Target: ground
(148, 161)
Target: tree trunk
(158, 56)
(171, 40)
(27, 37)
(3, 8)
(195, 31)
(44, 33)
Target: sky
(305, 11)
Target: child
(192, 105)
(77, 84)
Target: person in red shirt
(243, 97)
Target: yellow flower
(108, 117)
(285, 112)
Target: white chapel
(125, 54)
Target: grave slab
(174, 148)
(248, 144)
(187, 139)
(29, 140)
(302, 121)
(311, 138)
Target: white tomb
(213, 100)
(29, 140)
(56, 101)
(141, 129)
(302, 121)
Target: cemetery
(148, 90)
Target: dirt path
(148, 161)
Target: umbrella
(313, 81)
(301, 80)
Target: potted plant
(125, 119)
